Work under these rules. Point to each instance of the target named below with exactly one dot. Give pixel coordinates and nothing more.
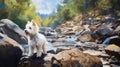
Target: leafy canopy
(19, 11)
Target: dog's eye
(30, 28)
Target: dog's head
(31, 28)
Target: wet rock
(101, 34)
(115, 41)
(48, 31)
(90, 46)
(12, 30)
(103, 31)
(112, 40)
(93, 52)
(10, 52)
(116, 33)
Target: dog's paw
(39, 54)
(45, 52)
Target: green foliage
(47, 21)
(19, 11)
(104, 4)
(75, 7)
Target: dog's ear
(33, 22)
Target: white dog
(35, 39)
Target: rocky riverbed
(72, 44)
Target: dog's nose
(25, 30)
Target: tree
(93, 8)
(68, 11)
(19, 11)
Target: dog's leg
(39, 50)
(31, 50)
(43, 48)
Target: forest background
(20, 11)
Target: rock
(103, 31)
(113, 50)
(86, 27)
(5, 40)
(115, 41)
(9, 56)
(93, 52)
(86, 37)
(12, 30)
(117, 29)
(48, 31)
(113, 47)
(112, 40)
(76, 58)
(10, 52)
(105, 63)
(32, 61)
(116, 33)
(65, 58)
(69, 28)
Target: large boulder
(66, 58)
(10, 51)
(103, 31)
(76, 58)
(12, 30)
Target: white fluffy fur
(36, 41)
